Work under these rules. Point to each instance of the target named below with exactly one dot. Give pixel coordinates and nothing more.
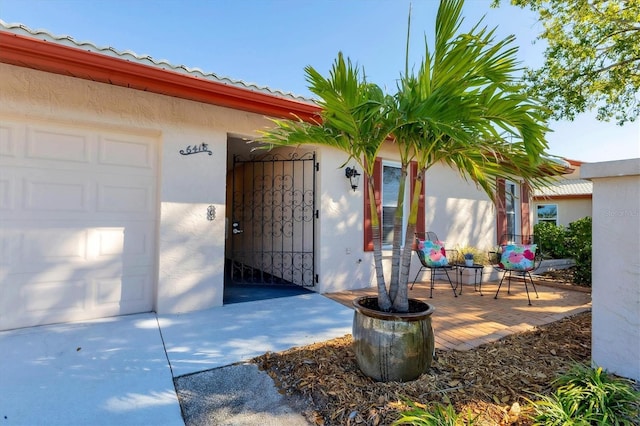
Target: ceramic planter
(391, 346)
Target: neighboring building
(565, 201)
(126, 185)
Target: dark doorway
(271, 230)
(249, 293)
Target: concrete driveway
(120, 371)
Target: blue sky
(269, 42)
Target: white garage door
(77, 223)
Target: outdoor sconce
(354, 177)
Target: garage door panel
(130, 290)
(114, 198)
(7, 190)
(79, 223)
(9, 137)
(46, 302)
(61, 148)
(11, 243)
(34, 300)
(58, 144)
(132, 243)
(127, 152)
(22, 250)
(108, 292)
(110, 242)
(64, 285)
(51, 298)
(57, 193)
(52, 246)
(47, 245)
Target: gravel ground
(237, 395)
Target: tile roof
(565, 187)
(143, 59)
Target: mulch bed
(561, 278)
(492, 381)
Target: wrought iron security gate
(273, 220)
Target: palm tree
(462, 108)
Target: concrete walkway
(121, 370)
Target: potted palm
(462, 108)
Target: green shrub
(587, 396)
(557, 242)
(550, 239)
(433, 415)
(578, 242)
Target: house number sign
(196, 149)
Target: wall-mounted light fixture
(354, 177)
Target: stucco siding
(190, 248)
(616, 265)
(190, 244)
(343, 264)
(460, 213)
(456, 210)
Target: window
(513, 213)
(547, 213)
(386, 177)
(512, 209)
(391, 175)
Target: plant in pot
(468, 259)
(462, 108)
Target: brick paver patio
(470, 320)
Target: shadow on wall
(192, 257)
(462, 222)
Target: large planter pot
(391, 346)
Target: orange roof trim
(51, 57)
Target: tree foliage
(592, 60)
(463, 108)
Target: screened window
(390, 188)
(387, 183)
(547, 213)
(512, 209)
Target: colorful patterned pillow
(518, 257)
(433, 253)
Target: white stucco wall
(190, 247)
(461, 214)
(457, 211)
(342, 262)
(616, 265)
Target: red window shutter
(525, 210)
(377, 183)
(501, 205)
(420, 221)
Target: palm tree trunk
(401, 301)
(384, 302)
(397, 235)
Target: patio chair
(433, 257)
(516, 255)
